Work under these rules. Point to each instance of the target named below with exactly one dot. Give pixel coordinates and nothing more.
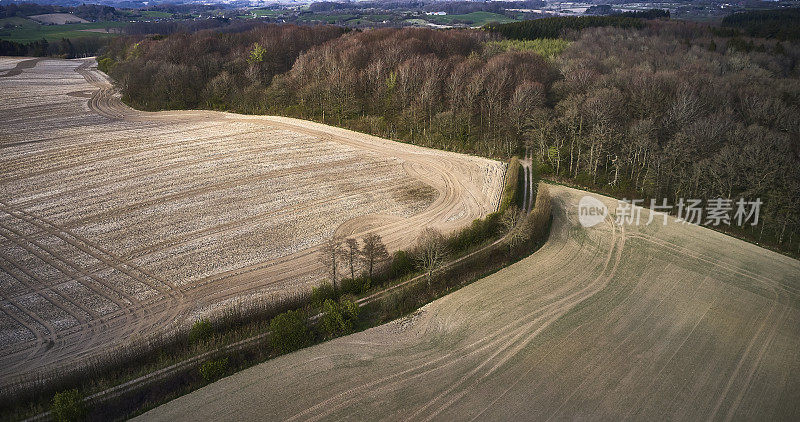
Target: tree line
(438, 88)
(646, 14)
(208, 69)
(782, 24)
(656, 109)
(66, 48)
(674, 112)
(556, 26)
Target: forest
(656, 109)
(783, 24)
(66, 47)
(556, 26)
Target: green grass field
(472, 19)
(25, 30)
(155, 14)
(267, 12)
(546, 47)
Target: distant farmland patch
(472, 19)
(58, 18)
(24, 32)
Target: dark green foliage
(214, 369)
(475, 234)
(403, 301)
(68, 406)
(201, 330)
(599, 10)
(66, 49)
(402, 264)
(355, 286)
(105, 64)
(13, 48)
(289, 331)
(555, 26)
(646, 14)
(338, 318)
(322, 292)
(782, 24)
(36, 48)
(510, 194)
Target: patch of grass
(13, 24)
(416, 21)
(510, 192)
(68, 406)
(378, 18)
(17, 21)
(214, 369)
(155, 14)
(200, 331)
(549, 48)
(267, 12)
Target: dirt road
(605, 323)
(115, 223)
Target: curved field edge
(609, 322)
(385, 302)
(81, 282)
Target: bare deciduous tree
(351, 253)
(512, 220)
(329, 257)
(430, 251)
(511, 217)
(373, 252)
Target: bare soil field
(58, 18)
(115, 223)
(604, 323)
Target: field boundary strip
(187, 364)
